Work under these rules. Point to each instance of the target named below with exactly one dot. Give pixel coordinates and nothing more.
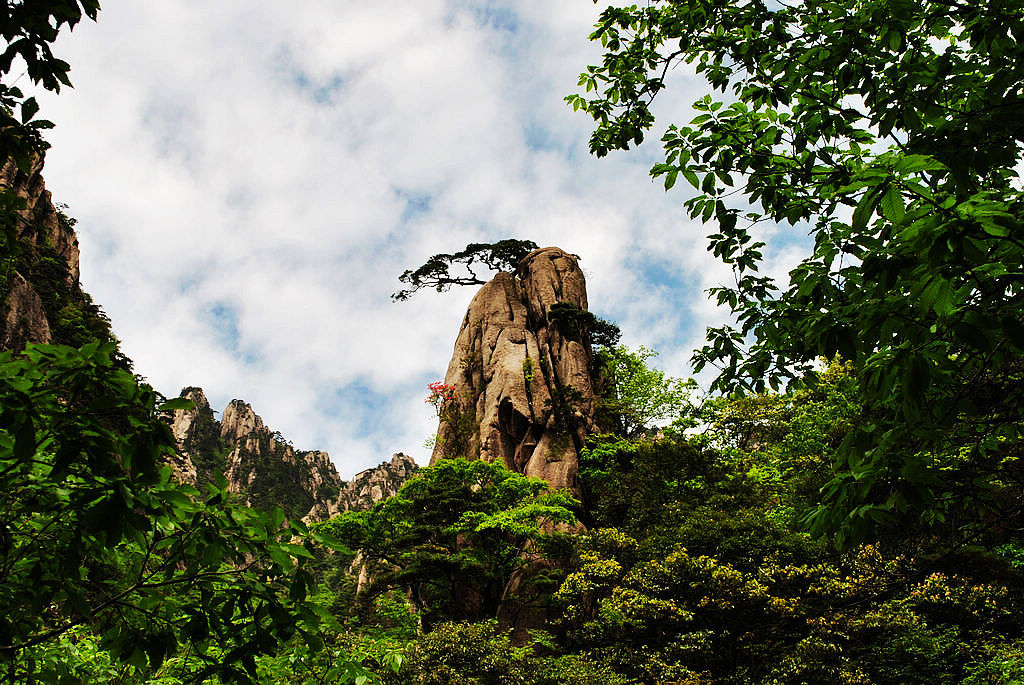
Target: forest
(845, 506)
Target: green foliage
(665, 610)
(471, 653)
(1002, 664)
(891, 132)
(95, 535)
(28, 29)
(579, 324)
(694, 569)
(345, 657)
(786, 442)
(629, 484)
(503, 255)
(528, 373)
(74, 657)
(74, 319)
(1013, 553)
(455, 536)
(483, 654)
(634, 396)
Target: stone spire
(522, 372)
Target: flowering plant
(442, 397)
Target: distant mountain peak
(266, 470)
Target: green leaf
(24, 439)
(28, 110)
(865, 208)
(1014, 331)
(708, 185)
(994, 229)
(938, 296)
(670, 178)
(918, 378)
(177, 404)
(296, 550)
(892, 205)
(914, 163)
(329, 541)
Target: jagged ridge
(266, 470)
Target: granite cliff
(521, 372)
(374, 485)
(41, 298)
(265, 469)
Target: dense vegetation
(109, 568)
(694, 567)
(861, 525)
(889, 131)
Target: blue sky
(250, 179)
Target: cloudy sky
(250, 179)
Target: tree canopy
(436, 272)
(456, 537)
(95, 533)
(636, 396)
(890, 133)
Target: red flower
(442, 396)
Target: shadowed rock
(40, 233)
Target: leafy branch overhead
(436, 273)
(890, 132)
(28, 29)
(96, 531)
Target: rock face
(40, 278)
(41, 222)
(266, 470)
(24, 317)
(374, 485)
(521, 371)
(259, 464)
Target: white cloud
(251, 177)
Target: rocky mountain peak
(373, 485)
(239, 420)
(185, 424)
(42, 278)
(266, 470)
(521, 372)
